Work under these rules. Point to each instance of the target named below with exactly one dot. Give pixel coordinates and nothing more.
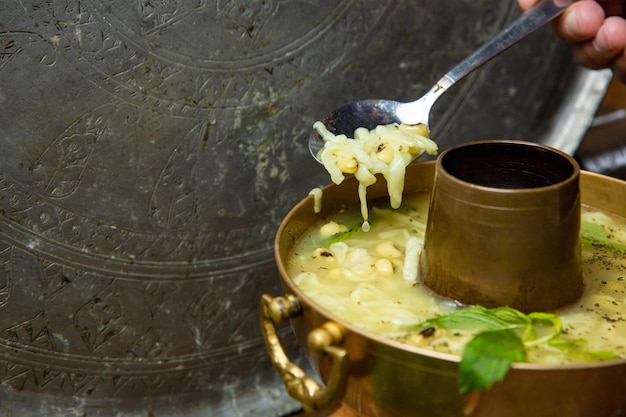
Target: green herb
(502, 337)
(478, 318)
(340, 237)
(594, 234)
(573, 348)
(356, 228)
(487, 358)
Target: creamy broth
(370, 279)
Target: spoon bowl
(372, 112)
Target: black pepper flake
(612, 319)
(326, 254)
(428, 332)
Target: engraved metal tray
(149, 150)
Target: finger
(526, 4)
(607, 46)
(580, 22)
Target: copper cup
(503, 226)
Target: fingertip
(581, 21)
(526, 4)
(606, 48)
(611, 36)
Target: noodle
(317, 199)
(386, 150)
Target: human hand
(597, 31)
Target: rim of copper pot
(307, 204)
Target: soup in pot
(370, 279)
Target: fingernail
(570, 22)
(597, 46)
(600, 43)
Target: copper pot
(377, 377)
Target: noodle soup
(370, 279)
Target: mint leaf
(501, 337)
(594, 234)
(340, 237)
(487, 358)
(541, 321)
(479, 318)
(573, 350)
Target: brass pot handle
(321, 340)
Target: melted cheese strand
(386, 150)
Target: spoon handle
(530, 20)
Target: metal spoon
(371, 113)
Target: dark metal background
(149, 149)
